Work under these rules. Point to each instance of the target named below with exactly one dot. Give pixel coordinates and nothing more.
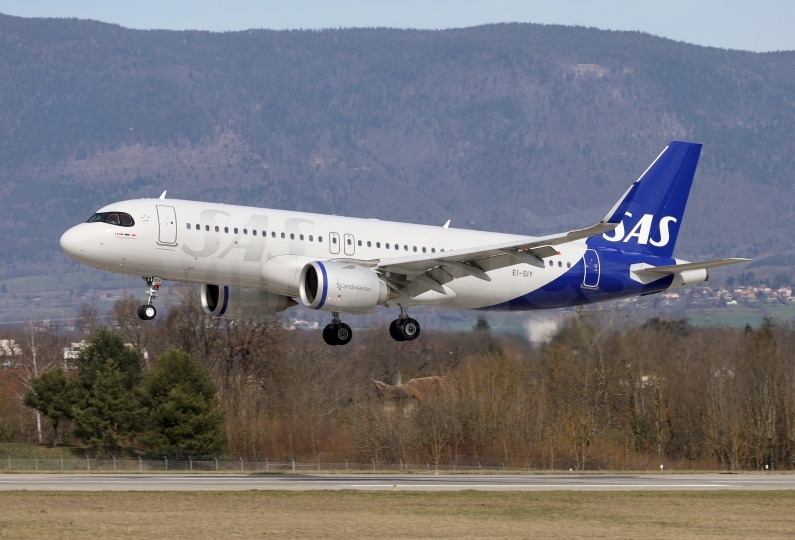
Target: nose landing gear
(404, 328)
(147, 312)
(337, 333)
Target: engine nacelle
(245, 303)
(333, 286)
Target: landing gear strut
(337, 333)
(404, 328)
(147, 312)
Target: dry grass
(328, 514)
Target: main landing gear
(147, 312)
(337, 333)
(404, 328)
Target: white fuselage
(199, 242)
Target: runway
(397, 482)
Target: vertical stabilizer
(653, 217)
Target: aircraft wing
(530, 250)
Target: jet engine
(245, 303)
(333, 286)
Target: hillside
(518, 128)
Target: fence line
(113, 464)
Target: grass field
(262, 514)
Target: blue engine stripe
(325, 285)
(226, 301)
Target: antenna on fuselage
(446, 224)
(163, 195)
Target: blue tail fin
(653, 217)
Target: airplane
(252, 263)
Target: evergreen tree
(53, 395)
(110, 413)
(183, 409)
(106, 344)
(108, 409)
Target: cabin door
(591, 277)
(167, 219)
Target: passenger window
(423, 250)
(226, 229)
(188, 225)
(397, 247)
(568, 265)
(254, 232)
(349, 241)
(310, 238)
(369, 244)
(301, 237)
(378, 245)
(217, 228)
(235, 230)
(319, 238)
(207, 228)
(334, 240)
(273, 234)
(433, 250)
(198, 226)
(387, 245)
(551, 263)
(245, 231)
(292, 236)
(406, 248)
(560, 264)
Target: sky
(753, 25)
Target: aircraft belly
(506, 284)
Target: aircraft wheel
(409, 329)
(147, 312)
(343, 334)
(328, 335)
(394, 331)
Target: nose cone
(73, 242)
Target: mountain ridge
(500, 127)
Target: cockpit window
(114, 218)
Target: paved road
(541, 482)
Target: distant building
(416, 389)
(9, 352)
(71, 353)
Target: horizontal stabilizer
(658, 272)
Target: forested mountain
(518, 127)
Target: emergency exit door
(334, 243)
(350, 247)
